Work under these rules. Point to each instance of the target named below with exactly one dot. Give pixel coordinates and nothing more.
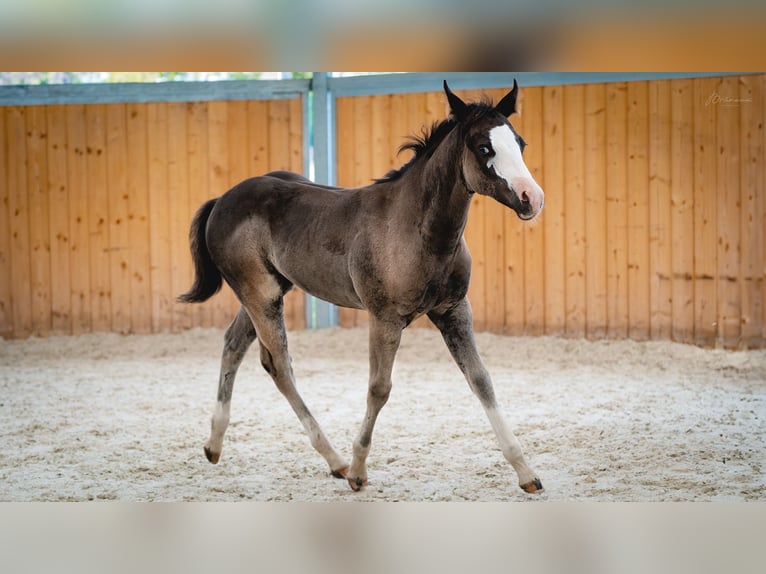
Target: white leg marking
(510, 446)
(218, 426)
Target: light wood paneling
(97, 200)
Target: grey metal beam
(432, 81)
(320, 313)
(280, 89)
(323, 119)
(153, 92)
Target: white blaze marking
(507, 160)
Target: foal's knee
(379, 392)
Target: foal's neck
(442, 197)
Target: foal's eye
(484, 150)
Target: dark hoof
(212, 456)
(340, 473)
(533, 487)
(357, 484)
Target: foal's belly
(327, 282)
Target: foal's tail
(207, 277)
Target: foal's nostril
(524, 197)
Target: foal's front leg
(384, 342)
(456, 326)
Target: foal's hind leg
(267, 316)
(456, 326)
(237, 340)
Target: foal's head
(492, 162)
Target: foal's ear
(507, 105)
(457, 106)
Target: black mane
(426, 143)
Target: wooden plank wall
(655, 218)
(96, 202)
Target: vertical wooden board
(729, 206)
(705, 213)
(638, 210)
(762, 112)
(534, 232)
(682, 202)
(752, 180)
(159, 217)
(495, 95)
(257, 137)
(617, 210)
(595, 211)
(182, 208)
(415, 113)
(199, 186)
(494, 287)
(119, 250)
(660, 230)
(295, 133)
(279, 134)
(61, 316)
(39, 215)
(18, 209)
(238, 144)
(344, 134)
(436, 107)
(399, 129)
(553, 175)
(381, 147)
(574, 184)
(138, 219)
(79, 235)
(219, 180)
(362, 141)
(6, 311)
(417, 120)
(98, 218)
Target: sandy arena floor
(110, 417)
